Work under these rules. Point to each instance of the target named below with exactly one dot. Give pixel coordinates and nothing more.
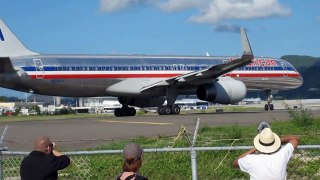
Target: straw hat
(267, 141)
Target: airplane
(143, 80)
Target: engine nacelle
(146, 101)
(224, 91)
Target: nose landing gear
(269, 105)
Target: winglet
(10, 44)
(246, 48)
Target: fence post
(194, 153)
(1, 167)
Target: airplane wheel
(266, 107)
(175, 109)
(118, 112)
(160, 110)
(271, 107)
(167, 109)
(131, 111)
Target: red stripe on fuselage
(109, 76)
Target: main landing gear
(125, 111)
(168, 109)
(269, 105)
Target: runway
(78, 134)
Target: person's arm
(235, 162)
(62, 160)
(294, 140)
(59, 161)
(56, 153)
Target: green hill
(309, 68)
(300, 61)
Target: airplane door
(39, 68)
(284, 69)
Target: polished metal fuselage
(90, 76)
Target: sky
(164, 27)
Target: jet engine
(225, 91)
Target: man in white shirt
(272, 161)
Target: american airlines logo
(1, 36)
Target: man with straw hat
(272, 159)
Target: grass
(211, 164)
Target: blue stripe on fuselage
(149, 68)
(1, 36)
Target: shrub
(301, 117)
(65, 111)
(17, 111)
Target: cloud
(221, 10)
(179, 5)
(210, 11)
(227, 28)
(117, 5)
(164, 5)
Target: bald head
(42, 143)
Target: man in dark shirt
(44, 162)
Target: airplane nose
(299, 80)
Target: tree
(35, 108)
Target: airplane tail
(10, 45)
(246, 48)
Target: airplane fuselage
(90, 76)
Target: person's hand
(263, 125)
(53, 145)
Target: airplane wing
(207, 75)
(6, 65)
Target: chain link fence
(168, 163)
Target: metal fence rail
(168, 163)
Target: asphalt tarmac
(79, 134)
